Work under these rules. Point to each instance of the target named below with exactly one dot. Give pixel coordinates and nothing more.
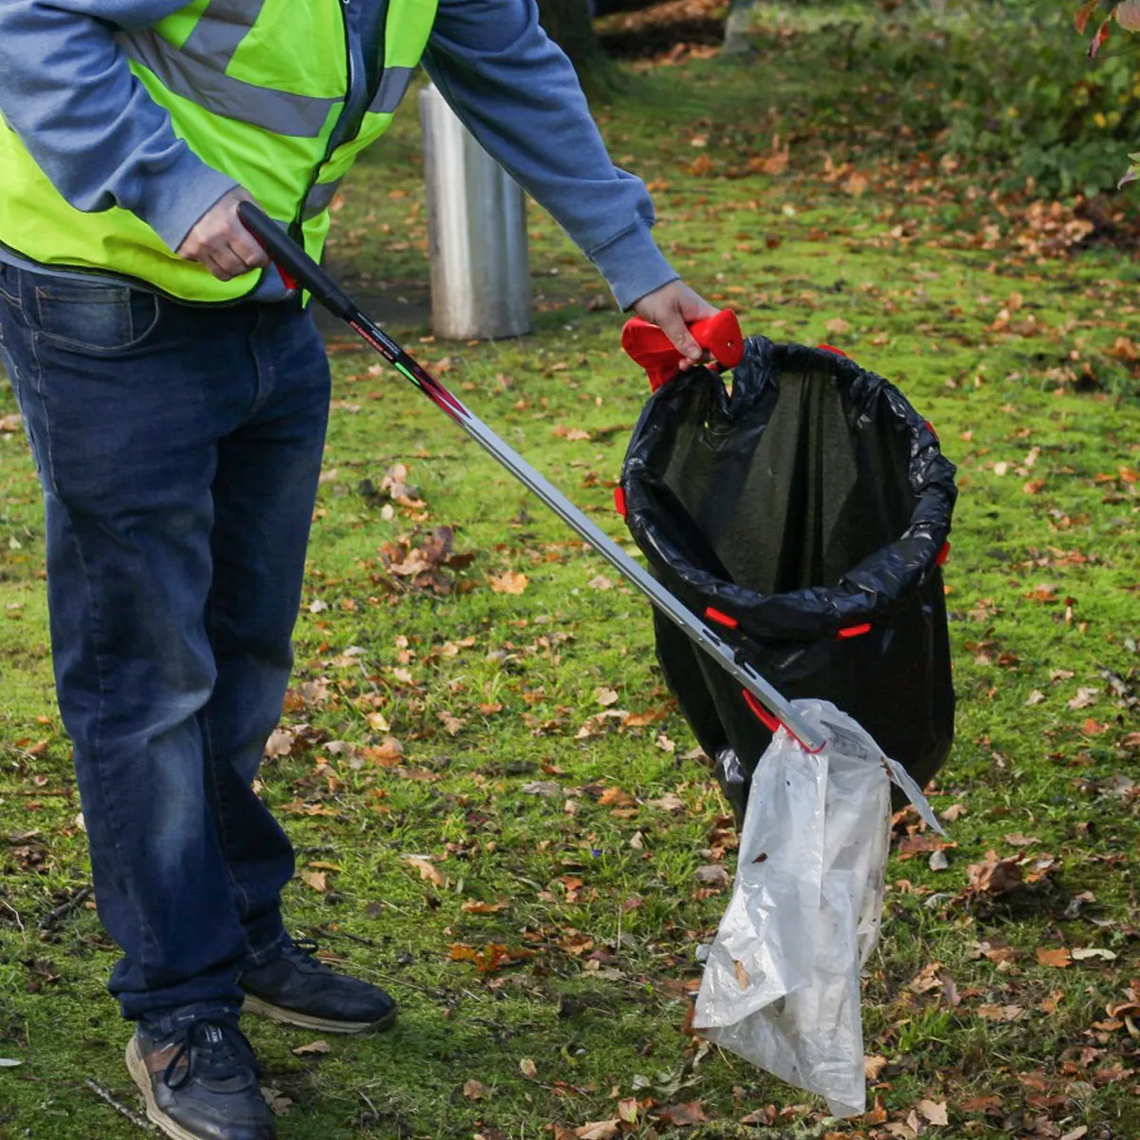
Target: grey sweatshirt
(66, 90)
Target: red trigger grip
(648, 345)
(289, 281)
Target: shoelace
(212, 1049)
(305, 949)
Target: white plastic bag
(781, 984)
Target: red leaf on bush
(1098, 39)
(1084, 14)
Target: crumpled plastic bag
(781, 983)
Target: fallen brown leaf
(990, 1012)
(994, 876)
(1019, 840)
(280, 743)
(451, 723)
(278, 1103)
(935, 1112)
(903, 1131)
(684, 1115)
(476, 906)
(988, 1103)
(912, 845)
(765, 1116)
(876, 1115)
(599, 1129)
(427, 869)
(873, 1066)
(508, 583)
(713, 874)
(389, 753)
(926, 979)
(494, 956)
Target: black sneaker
(201, 1082)
(297, 989)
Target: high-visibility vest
(272, 93)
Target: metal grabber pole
(298, 268)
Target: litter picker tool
(297, 268)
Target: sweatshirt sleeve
(518, 94)
(67, 92)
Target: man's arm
(518, 95)
(67, 92)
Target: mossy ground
(1016, 361)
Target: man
(175, 394)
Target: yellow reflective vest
(271, 93)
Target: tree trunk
(568, 24)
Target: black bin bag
(803, 514)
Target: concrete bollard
(480, 281)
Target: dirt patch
(670, 29)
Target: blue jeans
(179, 449)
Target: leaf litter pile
(498, 810)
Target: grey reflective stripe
(393, 84)
(319, 198)
(220, 28)
(283, 113)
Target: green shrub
(1007, 88)
(1027, 96)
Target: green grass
(599, 886)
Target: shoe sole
(138, 1071)
(305, 1021)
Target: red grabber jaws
(773, 723)
(649, 347)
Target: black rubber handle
(293, 261)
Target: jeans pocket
(94, 318)
(9, 285)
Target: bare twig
(14, 913)
(65, 908)
(104, 1093)
(371, 1106)
(326, 932)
